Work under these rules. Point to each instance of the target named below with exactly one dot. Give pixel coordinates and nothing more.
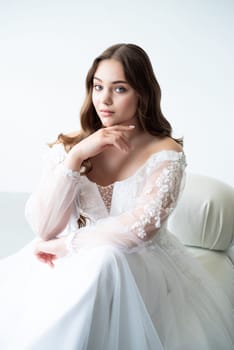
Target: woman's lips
(106, 112)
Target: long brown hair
(139, 73)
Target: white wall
(47, 47)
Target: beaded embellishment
(106, 194)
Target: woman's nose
(106, 97)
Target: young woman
(120, 280)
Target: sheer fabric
(127, 284)
(52, 205)
(136, 226)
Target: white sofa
(14, 229)
(203, 221)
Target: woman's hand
(48, 251)
(97, 143)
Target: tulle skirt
(104, 299)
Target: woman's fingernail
(131, 126)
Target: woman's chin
(107, 123)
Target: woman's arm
(133, 229)
(49, 208)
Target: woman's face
(114, 99)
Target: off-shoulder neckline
(176, 155)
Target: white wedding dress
(127, 284)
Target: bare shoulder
(165, 144)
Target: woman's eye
(97, 87)
(120, 89)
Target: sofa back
(14, 229)
(204, 216)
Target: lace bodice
(127, 214)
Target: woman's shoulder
(166, 150)
(164, 144)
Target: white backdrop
(47, 47)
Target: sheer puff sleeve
(136, 227)
(49, 207)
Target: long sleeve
(49, 207)
(153, 205)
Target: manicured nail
(131, 126)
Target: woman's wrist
(73, 161)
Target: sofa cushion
(220, 267)
(204, 216)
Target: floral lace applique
(167, 187)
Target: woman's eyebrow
(113, 82)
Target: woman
(120, 279)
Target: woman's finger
(121, 145)
(46, 258)
(118, 140)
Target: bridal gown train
(129, 285)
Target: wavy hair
(139, 74)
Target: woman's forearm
(50, 206)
